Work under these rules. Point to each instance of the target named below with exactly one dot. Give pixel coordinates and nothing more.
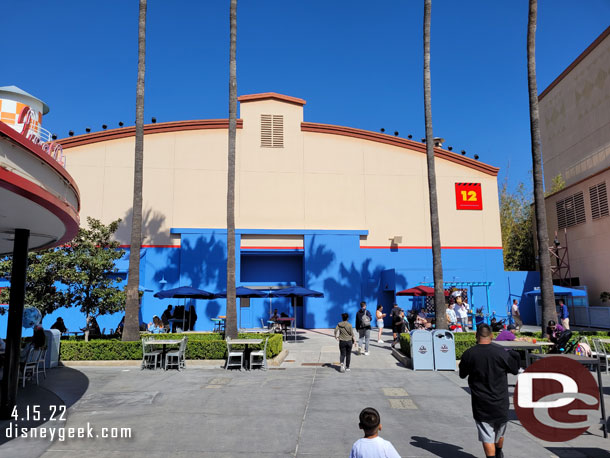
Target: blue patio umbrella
(560, 291)
(294, 291)
(242, 291)
(184, 292)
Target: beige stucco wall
(575, 119)
(317, 181)
(588, 247)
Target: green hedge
(465, 340)
(199, 346)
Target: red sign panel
(468, 196)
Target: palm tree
(131, 330)
(231, 323)
(544, 262)
(437, 264)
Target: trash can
(444, 350)
(52, 357)
(421, 350)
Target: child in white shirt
(372, 446)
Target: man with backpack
(363, 326)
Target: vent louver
(599, 200)
(272, 131)
(571, 210)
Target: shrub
(465, 340)
(199, 346)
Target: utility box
(444, 350)
(422, 354)
(52, 357)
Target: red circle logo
(556, 399)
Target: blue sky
(356, 63)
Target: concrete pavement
(305, 408)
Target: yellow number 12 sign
(468, 196)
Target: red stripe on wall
(272, 248)
(429, 247)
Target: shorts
(380, 323)
(491, 433)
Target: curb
(278, 360)
(402, 358)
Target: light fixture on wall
(396, 240)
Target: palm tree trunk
(231, 323)
(131, 330)
(439, 291)
(544, 262)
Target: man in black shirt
(486, 367)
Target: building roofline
(157, 128)
(576, 183)
(202, 124)
(271, 95)
(584, 54)
(399, 142)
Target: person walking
(399, 326)
(564, 315)
(486, 367)
(363, 326)
(344, 333)
(514, 310)
(393, 313)
(380, 316)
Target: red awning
(419, 291)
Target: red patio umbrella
(419, 291)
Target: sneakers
(342, 368)
(366, 353)
(380, 341)
(347, 369)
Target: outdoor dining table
(246, 342)
(528, 347)
(585, 361)
(218, 324)
(163, 342)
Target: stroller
(566, 343)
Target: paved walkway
(297, 410)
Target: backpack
(365, 320)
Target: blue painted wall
(331, 262)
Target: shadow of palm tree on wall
(153, 228)
(319, 258)
(201, 263)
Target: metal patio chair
(31, 365)
(149, 356)
(177, 354)
(259, 357)
(232, 353)
(42, 361)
